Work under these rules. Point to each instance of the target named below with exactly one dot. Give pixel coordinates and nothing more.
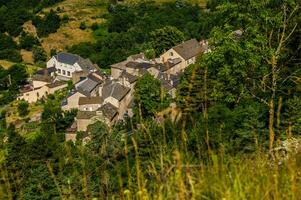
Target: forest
(233, 134)
(13, 14)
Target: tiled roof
(67, 58)
(87, 85)
(120, 65)
(131, 78)
(188, 49)
(71, 59)
(109, 111)
(46, 71)
(43, 78)
(169, 64)
(56, 84)
(115, 90)
(85, 114)
(90, 100)
(138, 65)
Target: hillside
(89, 12)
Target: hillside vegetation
(231, 133)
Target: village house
(111, 99)
(41, 84)
(66, 64)
(107, 113)
(90, 103)
(130, 62)
(181, 56)
(86, 87)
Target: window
(64, 72)
(171, 53)
(38, 95)
(69, 74)
(59, 71)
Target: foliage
(39, 55)
(23, 108)
(150, 97)
(165, 38)
(129, 27)
(48, 24)
(27, 41)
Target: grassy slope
(88, 11)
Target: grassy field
(30, 68)
(88, 11)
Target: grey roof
(137, 56)
(188, 49)
(85, 114)
(43, 78)
(56, 84)
(86, 64)
(120, 65)
(169, 64)
(131, 78)
(46, 71)
(89, 100)
(67, 58)
(87, 85)
(115, 90)
(95, 78)
(138, 65)
(71, 59)
(109, 111)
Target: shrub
(23, 108)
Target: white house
(66, 64)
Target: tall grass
(167, 172)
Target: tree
(165, 38)
(39, 54)
(23, 108)
(150, 97)
(251, 61)
(27, 41)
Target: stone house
(118, 68)
(107, 113)
(117, 95)
(32, 95)
(66, 64)
(187, 52)
(86, 87)
(90, 103)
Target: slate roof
(137, 56)
(87, 85)
(188, 49)
(90, 100)
(109, 111)
(138, 65)
(43, 78)
(120, 65)
(67, 58)
(46, 71)
(131, 78)
(169, 64)
(115, 90)
(56, 84)
(71, 59)
(85, 114)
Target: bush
(39, 54)
(83, 26)
(23, 108)
(94, 26)
(27, 41)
